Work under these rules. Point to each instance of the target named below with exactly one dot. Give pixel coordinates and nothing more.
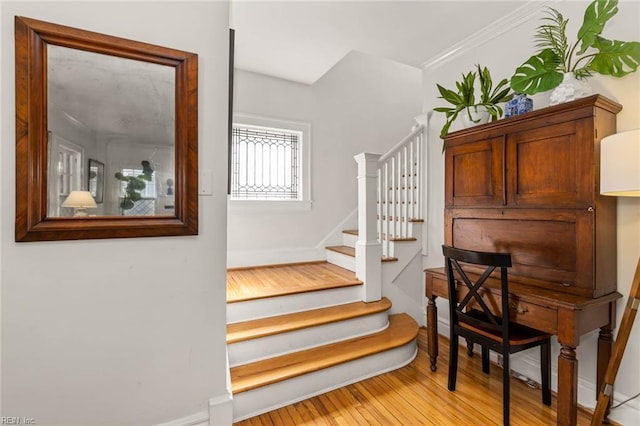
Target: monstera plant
(135, 184)
(589, 54)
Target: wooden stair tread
(263, 327)
(384, 237)
(402, 330)
(350, 251)
(244, 284)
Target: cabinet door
(475, 173)
(552, 166)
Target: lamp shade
(620, 164)
(81, 200)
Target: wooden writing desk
(563, 315)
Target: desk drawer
(525, 313)
(540, 317)
(535, 316)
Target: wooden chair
(473, 319)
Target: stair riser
(269, 346)
(267, 398)
(349, 240)
(280, 305)
(341, 260)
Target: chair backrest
(458, 308)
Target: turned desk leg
(567, 386)
(605, 348)
(432, 331)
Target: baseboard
(628, 414)
(198, 419)
(220, 414)
(244, 258)
(221, 410)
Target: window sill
(268, 206)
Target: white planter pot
(570, 89)
(479, 115)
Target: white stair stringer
(406, 290)
(280, 305)
(283, 343)
(267, 398)
(404, 251)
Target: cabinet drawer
(535, 316)
(542, 318)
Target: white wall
(502, 55)
(362, 104)
(121, 331)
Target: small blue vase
(519, 104)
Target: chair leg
(469, 347)
(506, 387)
(485, 360)
(545, 371)
(453, 361)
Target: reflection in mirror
(95, 180)
(113, 118)
(119, 112)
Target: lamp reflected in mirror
(80, 201)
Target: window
(269, 160)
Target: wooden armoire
(529, 185)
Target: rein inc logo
(17, 421)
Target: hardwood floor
(413, 395)
(277, 280)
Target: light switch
(205, 182)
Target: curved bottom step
(369, 361)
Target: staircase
(323, 328)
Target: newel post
(368, 248)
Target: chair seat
(519, 334)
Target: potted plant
(464, 99)
(591, 53)
(135, 184)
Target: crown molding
(495, 29)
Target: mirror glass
(106, 136)
(119, 112)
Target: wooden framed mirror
(129, 107)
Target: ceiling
(297, 40)
(301, 40)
